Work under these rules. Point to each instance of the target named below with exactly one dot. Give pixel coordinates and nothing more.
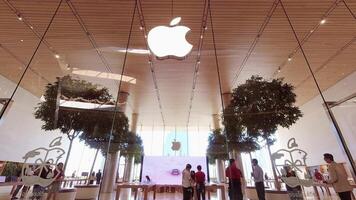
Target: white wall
(313, 131)
(20, 132)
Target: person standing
(57, 181)
(187, 183)
(92, 178)
(98, 177)
(43, 172)
(200, 183)
(338, 178)
(257, 175)
(234, 174)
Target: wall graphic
(292, 161)
(40, 159)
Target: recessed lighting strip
(143, 28)
(32, 57)
(322, 66)
(20, 17)
(203, 28)
(307, 36)
(22, 62)
(89, 35)
(254, 42)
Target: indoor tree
(217, 148)
(261, 106)
(70, 121)
(132, 151)
(133, 146)
(103, 129)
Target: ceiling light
(141, 28)
(135, 51)
(21, 40)
(104, 75)
(56, 56)
(169, 41)
(323, 21)
(279, 69)
(31, 27)
(19, 17)
(312, 30)
(289, 59)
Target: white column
(220, 169)
(111, 163)
(110, 171)
(130, 161)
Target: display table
(145, 187)
(251, 193)
(87, 191)
(208, 189)
(152, 188)
(64, 194)
(212, 187)
(327, 189)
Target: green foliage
(258, 107)
(217, 148)
(98, 132)
(11, 169)
(70, 121)
(94, 126)
(133, 146)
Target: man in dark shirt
(98, 177)
(200, 183)
(234, 174)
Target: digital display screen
(168, 169)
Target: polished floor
(126, 195)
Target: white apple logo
(170, 41)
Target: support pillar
(112, 158)
(236, 155)
(130, 160)
(110, 171)
(220, 168)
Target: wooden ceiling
(252, 37)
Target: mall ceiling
(252, 37)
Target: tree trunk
(68, 154)
(276, 183)
(92, 166)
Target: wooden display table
(64, 194)
(87, 191)
(213, 187)
(327, 189)
(250, 193)
(145, 187)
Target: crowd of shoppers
(337, 178)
